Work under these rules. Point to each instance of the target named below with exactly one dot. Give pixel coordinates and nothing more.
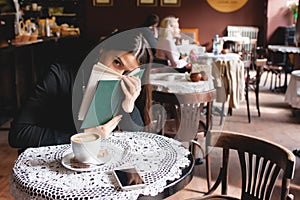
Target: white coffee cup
(86, 147)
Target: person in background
(228, 47)
(150, 30)
(166, 50)
(49, 117)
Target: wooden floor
(7, 158)
(277, 123)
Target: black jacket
(47, 117)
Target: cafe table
(227, 72)
(285, 50)
(175, 82)
(44, 173)
(175, 93)
(292, 95)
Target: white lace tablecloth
(292, 94)
(39, 174)
(284, 49)
(228, 56)
(178, 83)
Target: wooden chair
(189, 108)
(253, 82)
(192, 121)
(275, 67)
(261, 161)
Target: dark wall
(125, 14)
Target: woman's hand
(131, 91)
(105, 129)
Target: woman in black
(47, 117)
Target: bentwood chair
(193, 115)
(275, 66)
(253, 81)
(189, 111)
(261, 163)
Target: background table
(179, 104)
(292, 95)
(285, 50)
(161, 161)
(227, 71)
(175, 82)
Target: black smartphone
(128, 178)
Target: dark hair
(131, 41)
(151, 20)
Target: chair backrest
(251, 32)
(189, 108)
(261, 162)
(244, 31)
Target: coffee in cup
(86, 147)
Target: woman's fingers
(133, 84)
(106, 129)
(131, 91)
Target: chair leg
(276, 76)
(279, 77)
(257, 99)
(248, 107)
(248, 111)
(208, 170)
(230, 111)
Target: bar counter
(23, 64)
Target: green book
(106, 101)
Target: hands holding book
(131, 87)
(131, 91)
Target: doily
(39, 174)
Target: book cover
(103, 96)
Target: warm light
(226, 6)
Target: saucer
(69, 161)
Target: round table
(175, 82)
(285, 50)
(292, 95)
(164, 164)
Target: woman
(166, 51)
(47, 118)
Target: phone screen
(129, 178)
